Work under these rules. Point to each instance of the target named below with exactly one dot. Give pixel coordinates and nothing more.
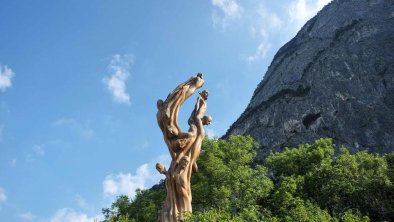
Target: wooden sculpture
(184, 147)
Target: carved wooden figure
(184, 147)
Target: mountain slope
(334, 79)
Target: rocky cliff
(335, 79)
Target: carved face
(184, 161)
(160, 167)
(173, 131)
(204, 94)
(198, 81)
(206, 120)
(159, 104)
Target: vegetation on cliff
(306, 183)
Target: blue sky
(79, 81)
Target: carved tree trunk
(184, 147)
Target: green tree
(144, 207)
(338, 184)
(306, 183)
(227, 179)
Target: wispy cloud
(267, 22)
(300, 11)
(36, 152)
(273, 29)
(28, 216)
(67, 214)
(119, 68)
(3, 196)
(6, 75)
(270, 20)
(127, 183)
(262, 48)
(70, 215)
(224, 12)
(81, 202)
(83, 130)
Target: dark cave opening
(310, 119)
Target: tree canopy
(310, 182)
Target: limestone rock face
(334, 79)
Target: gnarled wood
(184, 147)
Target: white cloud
(267, 22)
(70, 215)
(36, 152)
(270, 27)
(27, 216)
(229, 10)
(229, 7)
(3, 196)
(127, 183)
(81, 202)
(6, 75)
(300, 11)
(83, 130)
(271, 21)
(119, 67)
(262, 48)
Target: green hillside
(307, 183)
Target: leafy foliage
(226, 180)
(306, 183)
(144, 207)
